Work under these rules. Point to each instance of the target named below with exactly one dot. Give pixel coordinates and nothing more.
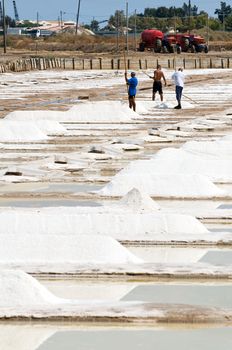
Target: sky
(99, 9)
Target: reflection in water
(200, 339)
(204, 295)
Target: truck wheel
(178, 49)
(193, 49)
(186, 44)
(141, 47)
(206, 49)
(158, 46)
(172, 49)
(165, 49)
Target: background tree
(27, 24)
(94, 25)
(223, 12)
(10, 22)
(118, 19)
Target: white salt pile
(36, 115)
(45, 251)
(20, 131)
(18, 289)
(139, 201)
(162, 185)
(175, 173)
(221, 148)
(51, 127)
(182, 161)
(97, 111)
(135, 217)
(101, 111)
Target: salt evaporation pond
(65, 336)
(42, 203)
(41, 187)
(201, 294)
(174, 255)
(146, 339)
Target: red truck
(151, 39)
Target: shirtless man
(157, 85)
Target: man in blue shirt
(132, 84)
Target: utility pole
(78, 14)
(4, 25)
(207, 29)
(117, 30)
(189, 14)
(127, 25)
(37, 18)
(135, 30)
(1, 15)
(61, 19)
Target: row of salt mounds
(18, 131)
(18, 289)
(52, 252)
(136, 217)
(183, 175)
(97, 111)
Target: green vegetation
(184, 18)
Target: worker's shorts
(157, 87)
(131, 96)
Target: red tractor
(190, 42)
(155, 40)
(151, 39)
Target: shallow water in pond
(183, 255)
(207, 339)
(41, 187)
(219, 258)
(107, 336)
(190, 293)
(40, 203)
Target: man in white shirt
(178, 78)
